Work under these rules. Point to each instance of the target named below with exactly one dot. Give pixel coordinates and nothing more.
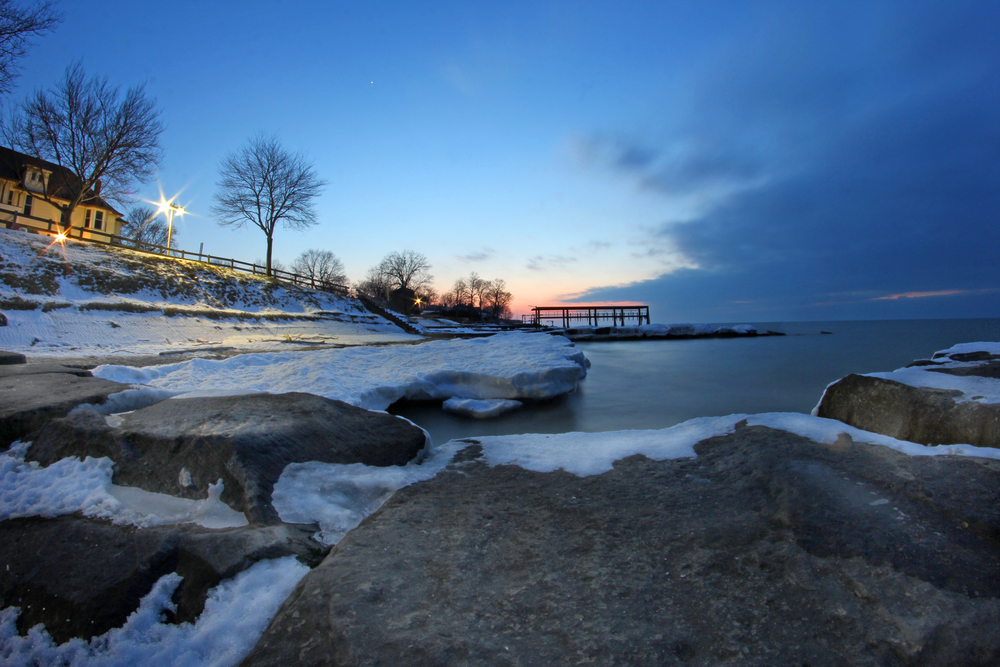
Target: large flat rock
(766, 549)
(32, 394)
(180, 446)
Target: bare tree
(406, 270)
(375, 283)
(264, 185)
(498, 299)
(322, 266)
(276, 265)
(107, 140)
(17, 26)
(148, 229)
(477, 288)
(461, 292)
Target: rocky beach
(242, 503)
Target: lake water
(658, 383)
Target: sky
(718, 161)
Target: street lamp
(169, 208)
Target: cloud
(480, 256)
(547, 262)
(919, 295)
(840, 162)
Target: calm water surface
(659, 383)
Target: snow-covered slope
(78, 299)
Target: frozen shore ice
(505, 366)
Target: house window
(27, 204)
(86, 219)
(98, 219)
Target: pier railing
(593, 315)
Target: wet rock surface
(180, 446)
(81, 577)
(766, 549)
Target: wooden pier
(592, 315)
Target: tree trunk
(270, 242)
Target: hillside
(76, 299)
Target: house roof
(12, 166)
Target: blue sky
(720, 161)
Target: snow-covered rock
(952, 398)
(725, 541)
(183, 447)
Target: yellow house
(24, 183)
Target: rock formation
(180, 446)
(766, 549)
(927, 415)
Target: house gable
(26, 183)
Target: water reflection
(656, 384)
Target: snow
(965, 348)
(91, 300)
(972, 388)
(338, 497)
(71, 485)
(508, 365)
(236, 614)
(480, 409)
(586, 454)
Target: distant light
(60, 237)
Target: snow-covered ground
(78, 300)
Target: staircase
(376, 306)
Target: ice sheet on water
(508, 365)
(480, 408)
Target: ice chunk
(480, 408)
(507, 365)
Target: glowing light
(60, 238)
(169, 209)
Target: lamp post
(169, 209)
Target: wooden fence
(97, 236)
